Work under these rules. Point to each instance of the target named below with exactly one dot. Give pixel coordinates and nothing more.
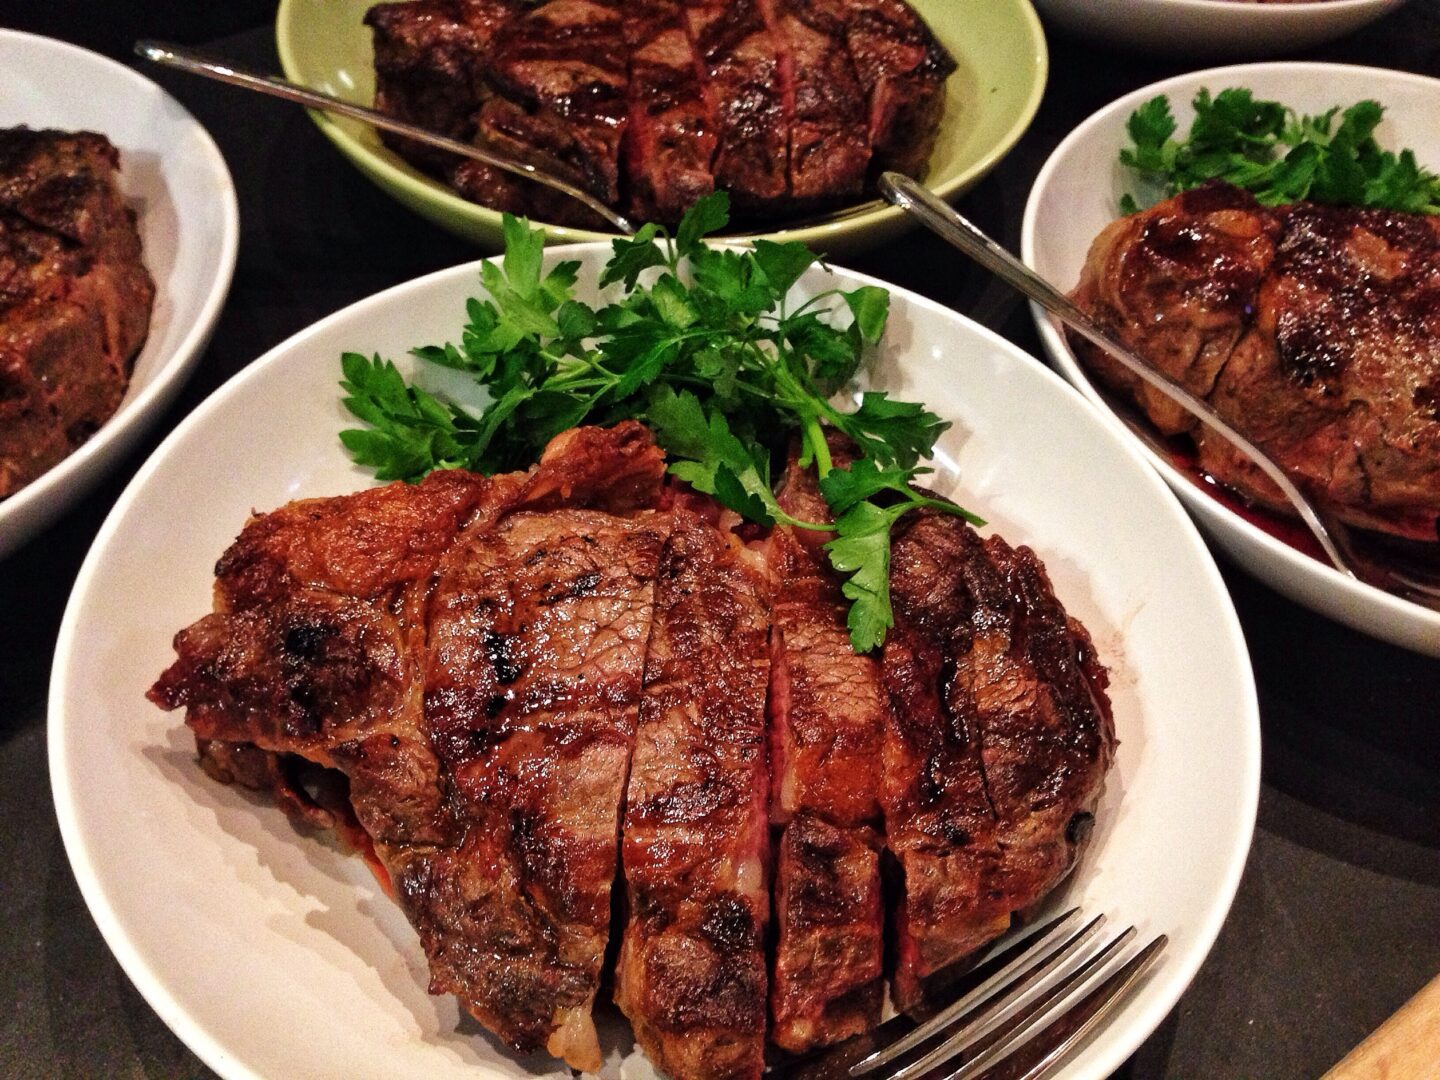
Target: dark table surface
(1337, 920)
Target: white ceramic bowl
(1078, 192)
(172, 174)
(1215, 29)
(289, 961)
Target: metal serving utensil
(1017, 1015)
(1329, 531)
(197, 63)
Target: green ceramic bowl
(991, 100)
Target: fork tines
(1017, 1015)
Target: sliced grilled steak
(903, 69)
(328, 644)
(691, 973)
(670, 140)
(1001, 738)
(1314, 330)
(75, 298)
(828, 714)
(741, 57)
(829, 956)
(430, 56)
(829, 150)
(559, 72)
(537, 646)
(654, 103)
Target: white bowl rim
(136, 409)
(1295, 561)
(1177, 975)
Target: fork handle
(945, 220)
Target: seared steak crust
(902, 68)
(1315, 330)
(476, 682)
(672, 136)
(828, 713)
(691, 973)
(654, 103)
(537, 641)
(1001, 738)
(390, 635)
(75, 299)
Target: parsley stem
(819, 448)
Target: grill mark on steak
(829, 150)
(742, 58)
(1315, 330)
(538, 781)
(429, 60)
(319, 648)
(561, 75)
(691, 971)
(903, 69)
(671, 137)
(829, 958)
(985, 670)
(828, 710)
(75, 298)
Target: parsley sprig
(710, 354)
(1280, 156)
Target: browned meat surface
(1314, 330)
(903, 68)
(432, 643)
(430, 56)
(741, 58)
(829, 152)
(477, 681)
(999, 744)
(828, 713)
(537, 641)
(560, 76)
(653, 103)
(75, 298)
(671, 136)
(691, 973)
(828, 958)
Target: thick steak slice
(316, 645)
(321, 648)
(428, 60)
(75, 299)
(903, 69)
(828, 714)
(829, 956)
(559, 73)
(742, 61)
(537, 646)
(829, 149)
(670, 141)
(691, 973)
(984, 670)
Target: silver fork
(1016, 1016)
(197, 63)
(1418, 585)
